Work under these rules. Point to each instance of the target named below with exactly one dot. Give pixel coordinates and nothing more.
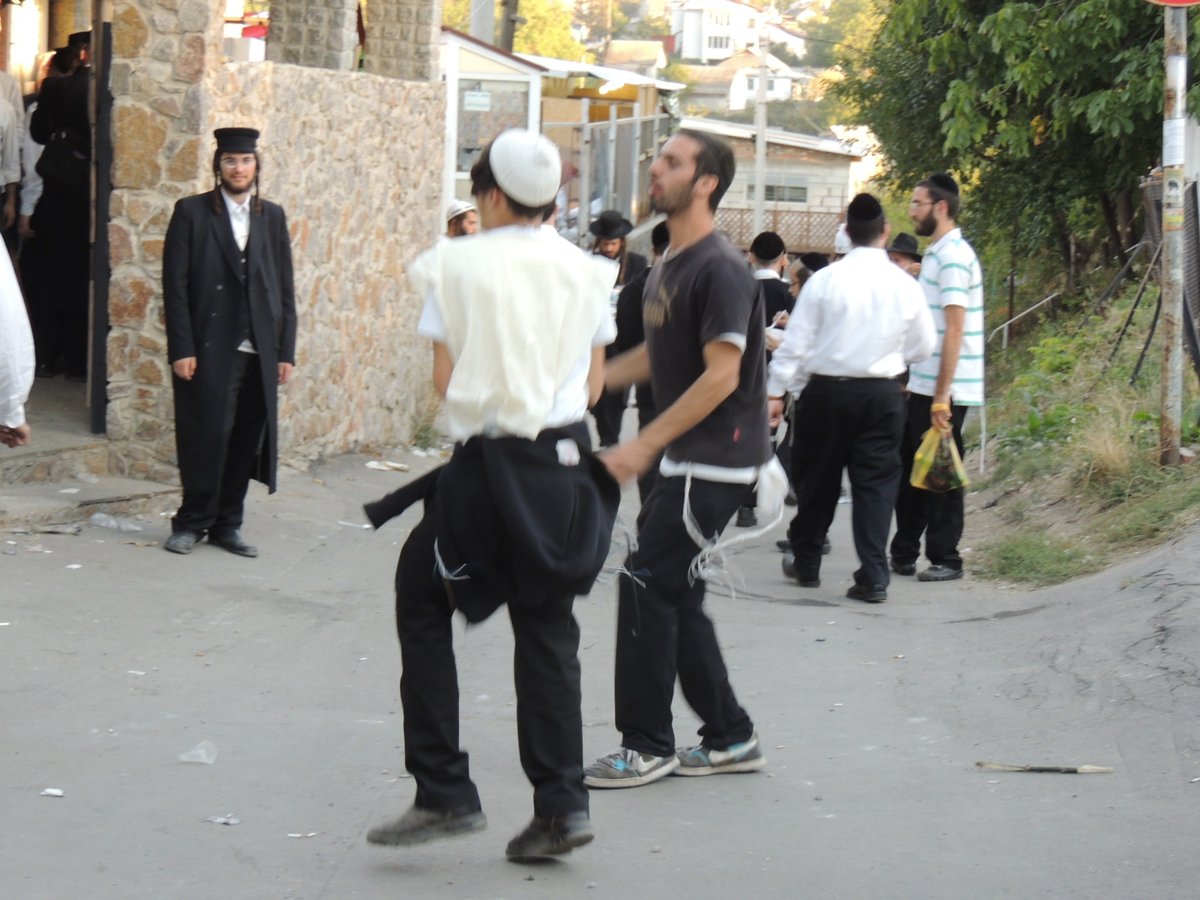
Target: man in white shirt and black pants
(522, 514)
(856, 327)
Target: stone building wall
(355, 160)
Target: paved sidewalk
(117, 658)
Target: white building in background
(808, 182)
(708, 31)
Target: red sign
(1175, 2)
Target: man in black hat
(231, 340)
(768, 259)
(608, 233)
(631, 332)
(904, 253)
(62, 217)
(857, 325)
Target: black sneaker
(181, 541)
(746, 517)
(868, 593)
(417, 826)
(903, 568)
(805, 578)
(940, 573)
(547, 836)
(784, 546)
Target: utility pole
(508, 23)
(760, 131)
(1174, 124)
(483, 22)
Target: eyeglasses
(913, 203)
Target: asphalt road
(117, 658)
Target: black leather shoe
(746, 517)
(903, 568)
(826, 547)
(785, 546)
(547, 836)
(805, 578)
(181, 541)
(940, 573)
(868, 593)
(233, 542)
(417, 826)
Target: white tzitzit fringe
(445, 573)
(711, 563)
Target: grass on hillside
(1073, 446)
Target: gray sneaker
(628, 768)
(700, 760)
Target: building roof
(639, 53)
(491, 50)
(775, 136)
(562, 68)
(743, 60)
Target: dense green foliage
(1048, 112)
(546, 32)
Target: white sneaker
(700, 760)
(628, 768)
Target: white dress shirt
(16, 349)
(31, 181)
(520, 309)
(860, 317)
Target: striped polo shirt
(950, 276)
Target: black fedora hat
(906, 245)
(610, 225)
(237, 140)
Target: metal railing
(613, 158)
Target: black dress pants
(939, 517)
(546, 676)
(221, 508)
(855, 425)
(663, 631)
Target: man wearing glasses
(943, 387)
(231, 340)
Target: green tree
(847, 23)
(546, 32)
(1048, 112)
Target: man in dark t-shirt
(704, 355)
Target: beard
(674, 201)
(926, 226)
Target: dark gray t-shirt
(706, 293)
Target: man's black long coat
(202, 295)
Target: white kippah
(526, 166)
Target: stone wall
(355, 160)
(321, 34)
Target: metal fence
(802, 231)
(613, 159)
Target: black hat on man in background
(610, 225)
(906, 245)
